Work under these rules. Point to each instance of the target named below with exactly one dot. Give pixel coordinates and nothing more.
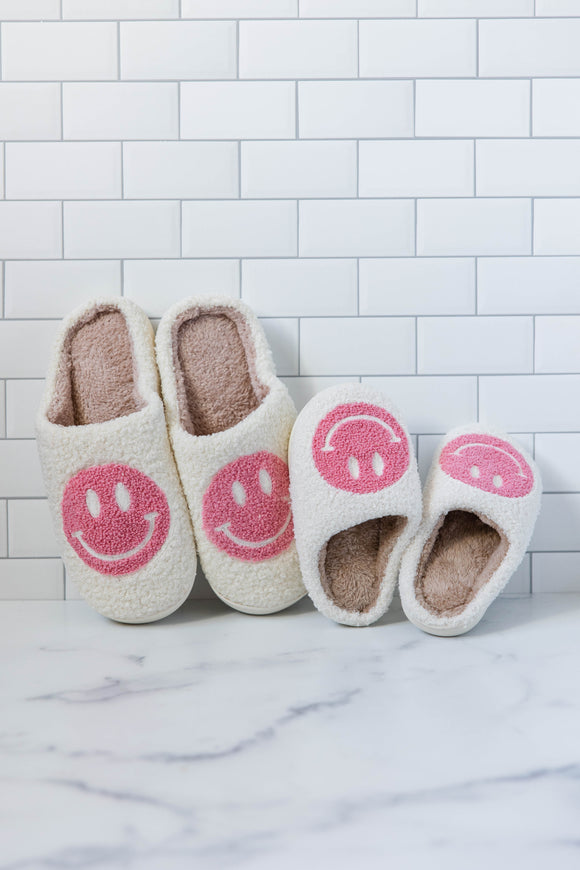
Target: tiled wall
(393, 185)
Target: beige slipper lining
(459, 558)
(96, 378)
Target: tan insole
(96, 379)
(214, 382)
(459, 558)
(353, 562)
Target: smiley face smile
(225, 528)
(117, 558)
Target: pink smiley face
(115, 518)
(488, 463)
(246, 508)
(360, 448)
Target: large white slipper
(356, 500)
(118, 509)
(229, 420)
(481, 501)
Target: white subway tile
(358, 109)
(528, 285)
(51, 288)
(357, 8)
(475, 8)
(2, 169)
(474, 345)
(304, 389)
(30, 230)
(357, 346)
(239, 229)
(416, 285)
(119, 9)
(558, 456)
(356, 228)
(60, 51)
(415, 168)
(21, 10)
(239, 8)
(556, 572)
(431, 404)
(157, 284)
(533, 47)
(298, 169)
(120, 110)
(237, 110)
(552, 8)
(121, 229)
(558, 525)
(22, 403)
(2, 409)
(532, 167)
(417, 48)
(556, 107)
(531, 403)
(30, 528)
(293, 288)
(29, 111)
(20, 475)
(282, 335)
(474, 226)
(298, 49)
(3, 530)
(558, 344)
(63, 170)
(557, 226)
(32, 579)
(472, 108)
(178, 50)
(25, 347)
(165, 170)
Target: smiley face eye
(353, 467)
(93, 503)
(498, 480)
(474, 471)
(238, 493)
(265, 482)
(378, 464)
(122, 496)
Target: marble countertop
(218, 740)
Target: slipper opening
(215, 365)
(96, 378)
(459, 558)
(353, 562)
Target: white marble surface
(218, 740)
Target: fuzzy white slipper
(481, 501)
(118, 509)
(356, 500)
(229, 420)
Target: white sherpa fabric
(255, 587)
(140, 441)
(321, 510)
(513, 516)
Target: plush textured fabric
(356, 500)
(230, 417)
(480, 505)
(106, 476)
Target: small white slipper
(229, 421)
(113, 489)
(480, 505)
(356, 500)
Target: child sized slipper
(113, 488)
(356, 499)
(229, 420)
(481, 501)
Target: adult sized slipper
(117, 505)
(229, 420)
(356, 499)
(481, 501)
